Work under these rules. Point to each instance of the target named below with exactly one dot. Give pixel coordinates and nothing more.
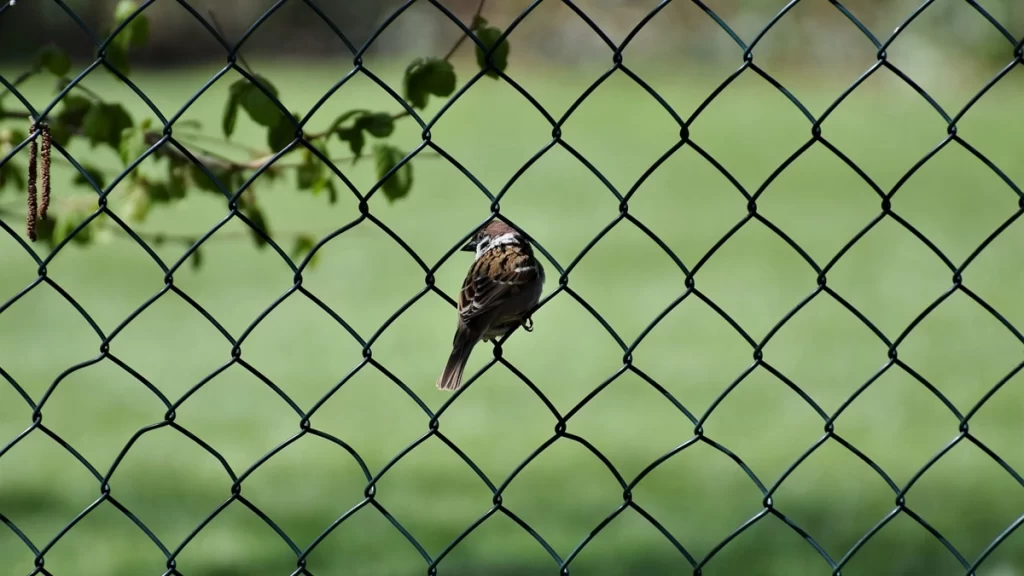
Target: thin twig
(214, 160)
(203, 154)
(188, 240)
(462, 38)
(215, 140)
(447, 58)
(10, 214)
(16, 115)
(185, 239)
(88, 91)
(21, 78)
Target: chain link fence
(746, 51)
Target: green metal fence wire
(688, 290)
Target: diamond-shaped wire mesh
(689, 290)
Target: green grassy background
(700, 495)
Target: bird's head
(494, 234)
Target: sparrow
(501, 289)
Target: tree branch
(208, 157)
(186, 240)
(213, 160)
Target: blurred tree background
(818, 33)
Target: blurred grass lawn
(700, 495)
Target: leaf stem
(462, 38)
(447, 58)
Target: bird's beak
(469, 247)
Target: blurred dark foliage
(814, 30)
(179, 39)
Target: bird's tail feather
(451, 376)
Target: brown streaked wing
(492, 280)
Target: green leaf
(178, 182)
(323, 175)
(123, 10)
(380, 124)
(355, 138)
(489, 36)
(281, 134)
(117, 57)
(173, 188)
(105, 123)
(203, 182)
(66, 224)
(341, 119)
(159, 192)
(95, 173)
(44, 230)
(53, 60)
(398, 184)
(70, 118)
(9, 138)
(332, 192)
(247, 198)
(12, 175)
(60, 134)
(105, 234)
(18, 136)
(73, 111)
(230, 114)
(255, 215)
(310, 173)
(256, 104)
(83, 237)
(133, 143)
(136, 33)
(140, 31)
(307, 176)
(319, 186)
(426, 76)
(138, 204)
(304, 244)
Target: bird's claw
(528, 324)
